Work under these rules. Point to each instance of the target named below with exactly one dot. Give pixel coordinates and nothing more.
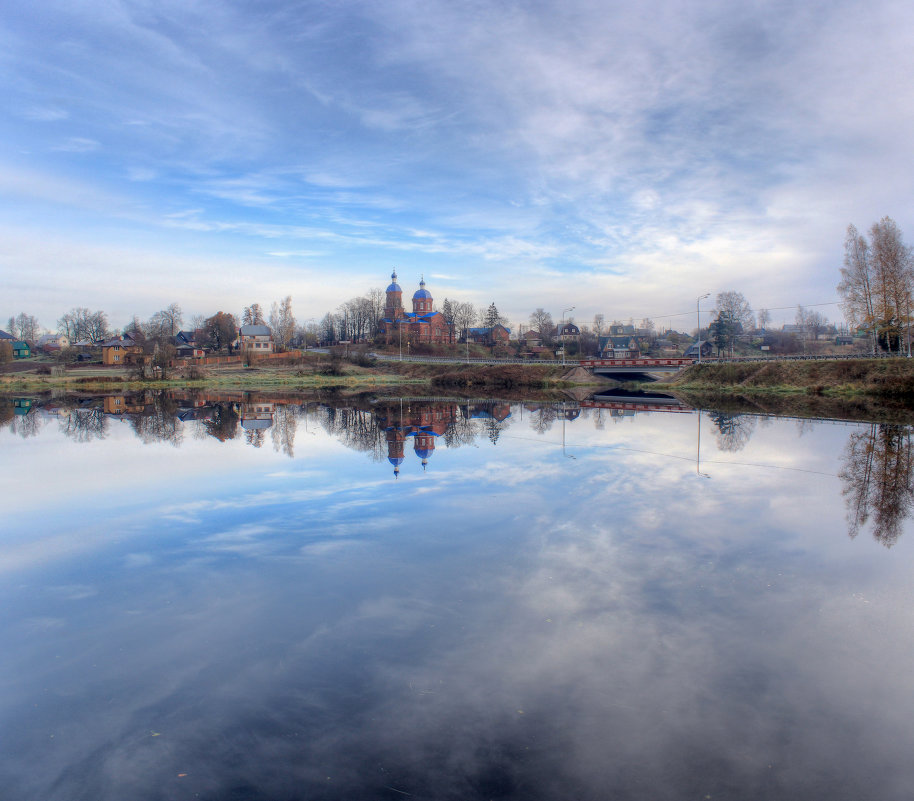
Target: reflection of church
(423, 422)
(422, 324)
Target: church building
(422, 324)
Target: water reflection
(878, 481)
(875, 469)
(426, 599)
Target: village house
(618, 347)
(52, 342)
(122, 350)
(489, 335)
(258, 338)
(569, 332)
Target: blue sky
(619, 157)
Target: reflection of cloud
(77, 144)
(75, 592)
(133, 561)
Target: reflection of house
(495, 411)
(122, 350)
(422, 324)
(256, 415)
(122, 404)
(22, 406)
(489, 335)
(258, 338)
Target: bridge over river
(637, 369)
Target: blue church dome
(394, 286)
(422, 292)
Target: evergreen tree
(492, 317)
(447, 309)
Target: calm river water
(259, 598)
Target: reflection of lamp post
(698, 318)
(562, 332)
(698, 451)
(566, 455)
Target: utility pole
(698, 320)
(562, 332)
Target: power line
(767, 308)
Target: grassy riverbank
(307, 372)
(884, 379)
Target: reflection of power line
(674, 456)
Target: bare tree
(464, 316)
(541, 321)
(252, 315)
(282, 321)
(856, 286)
(876, 283)
(892, 270)
(81, 324)
(167, 322)
(24, 326)
(599, 321)
(735, 310)
(763, 318)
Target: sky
(619, 158)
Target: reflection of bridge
(636, 402)
(635, 369)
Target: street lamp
(698, 317)
(562, 332)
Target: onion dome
(394, 286)
(422, 292)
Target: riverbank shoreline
(305, 375)
(883, 379)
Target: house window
(117, 358)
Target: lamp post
(400, 332)
(562, 332)
(698, 319)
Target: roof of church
(422, 292)
(394, 286)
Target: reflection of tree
(223, 422)
(733, 430)
(159, 422)
(494, 428)
(463, 431)
(27, 425)
(254, 436)
(283, 430)
(356, 429)
(543, 418)
(85, 425)
(878, 480)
